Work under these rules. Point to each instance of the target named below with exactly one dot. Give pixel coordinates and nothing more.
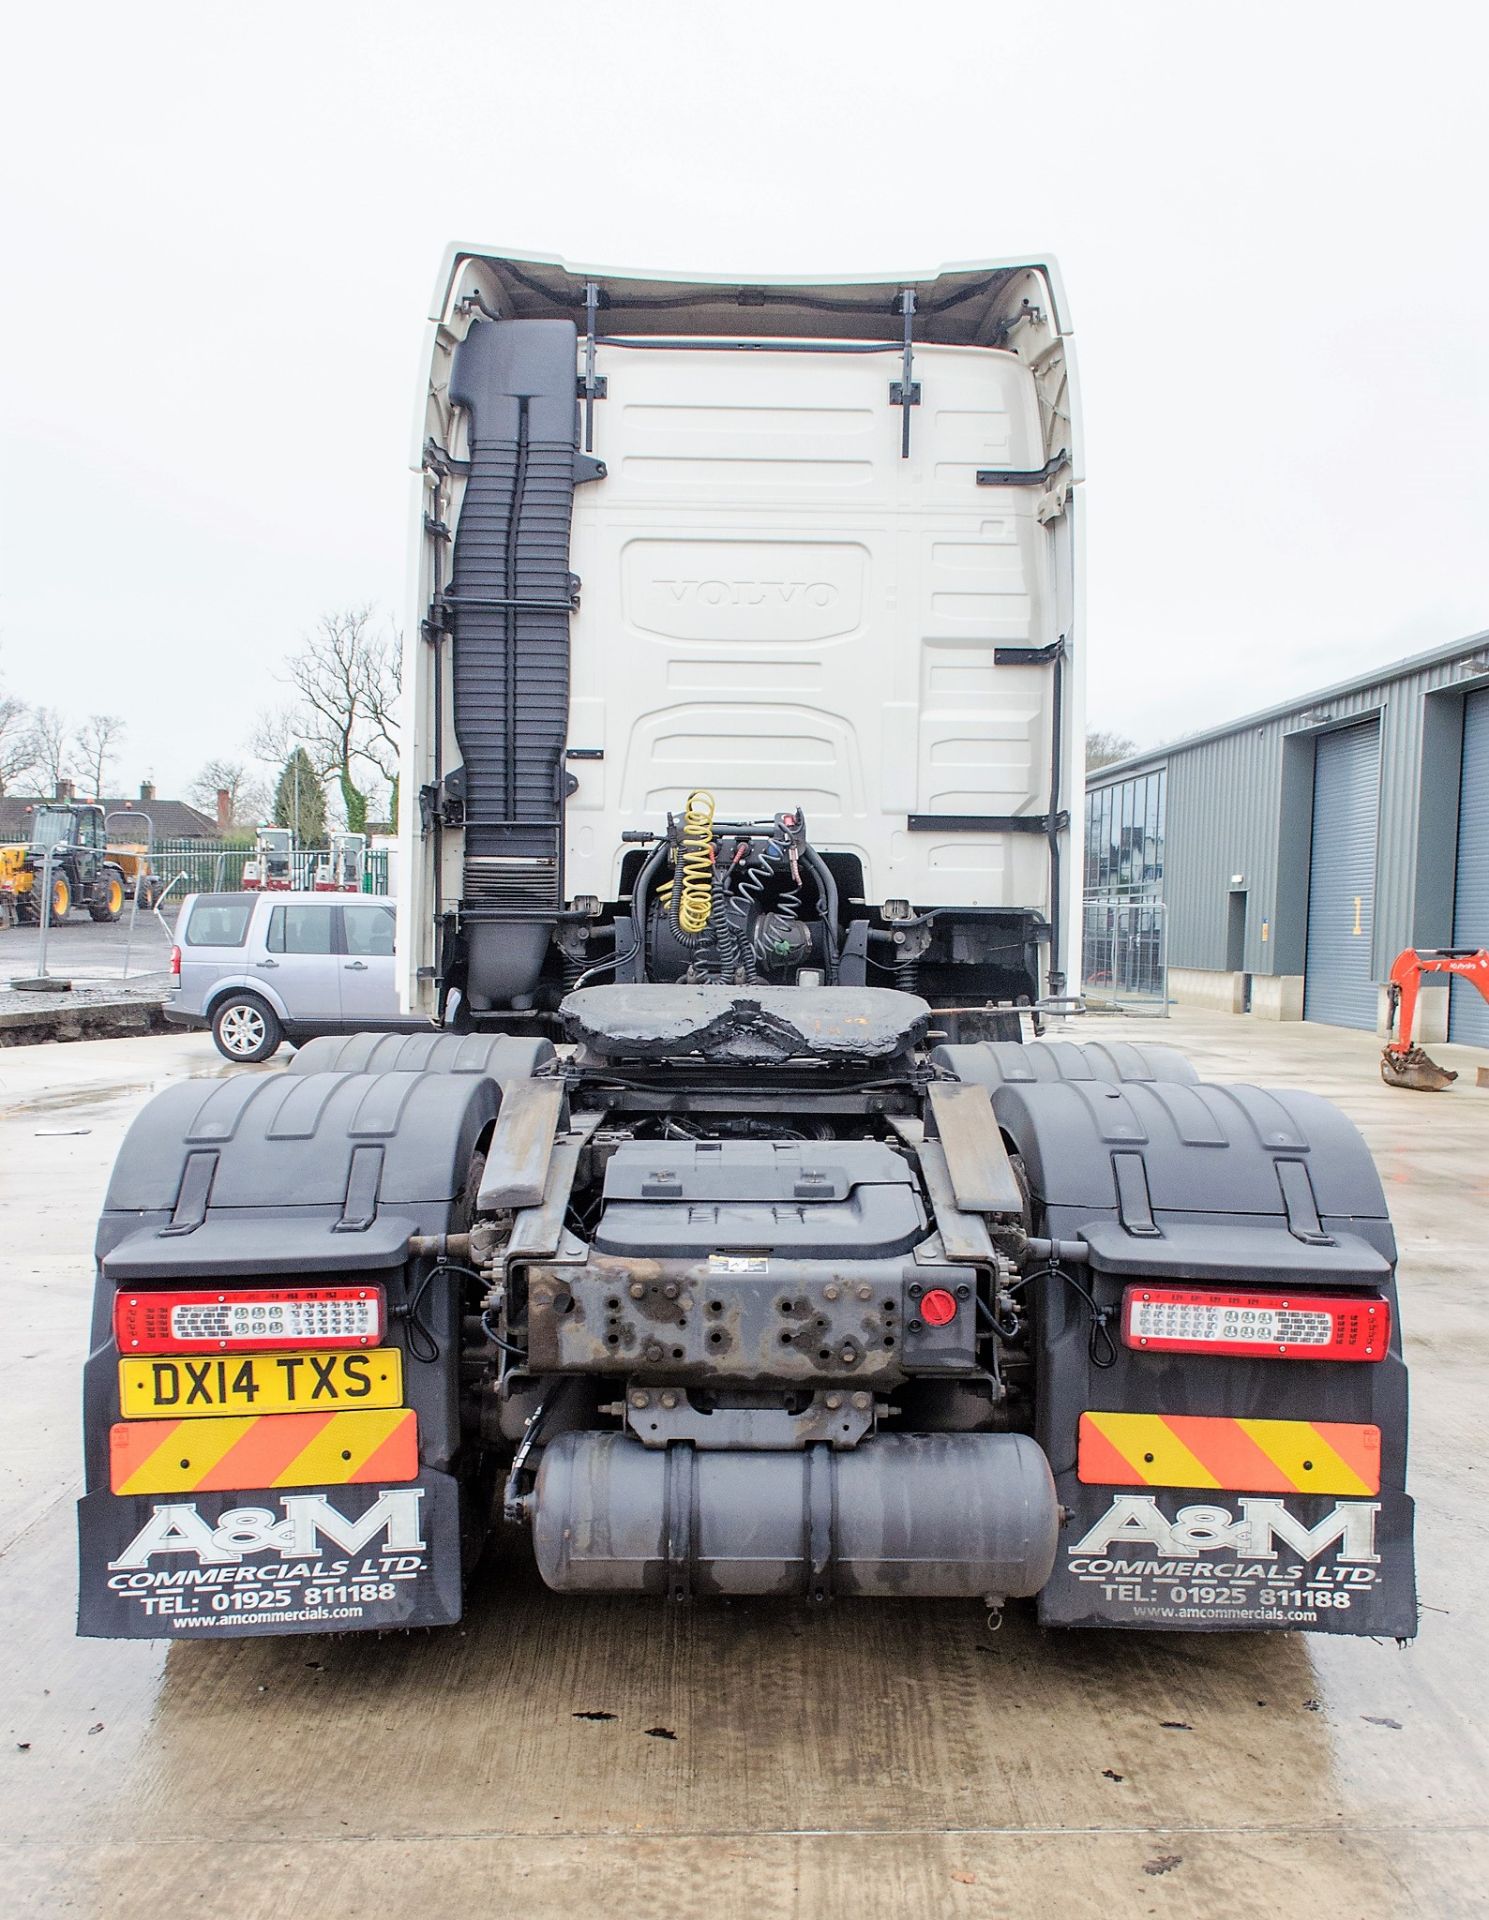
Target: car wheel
(245, 1029)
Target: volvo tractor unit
(741, 1225)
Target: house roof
(171, 819)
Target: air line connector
(1058, 1253)
(439, 1246)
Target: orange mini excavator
(1404, 1064)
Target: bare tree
(384, 691)
(349, 681)
(51, 747)
(276, 734)
(247, 798)
(96, 743)
(17, 743)
(1103, 748)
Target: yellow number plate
(178, 1388)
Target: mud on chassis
(760, 1290)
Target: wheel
(61, 897)
(108, 896)
(245, 1028)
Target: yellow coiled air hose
(694, 893)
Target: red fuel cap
(937, 1307)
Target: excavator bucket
(1412, 1068)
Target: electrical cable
(422, 1343)
(1103, 1349)
(606, 966)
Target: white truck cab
(806, 548)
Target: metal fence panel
(216, 866)
(1124, 954)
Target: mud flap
(347, 1559)
(1202, 1561)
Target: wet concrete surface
(589, 1756)
(118, 976)
(82, 950)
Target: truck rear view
(731, 1231)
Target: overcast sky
(220, 229)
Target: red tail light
(1277, 1326)
(175, 963)
(248, 1320)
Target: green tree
(300, 800)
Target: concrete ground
(91, 951)
(571, 1757)
(110, 965)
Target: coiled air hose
(692, 896)
(772, 930)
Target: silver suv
(259, 968)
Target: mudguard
(996, 1063)
(500, 1056)
(291, 1180)
(1172, 1183)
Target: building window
(1124, 838)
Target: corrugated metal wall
(1342, 878)
(1225, 817)
(1470, 1015)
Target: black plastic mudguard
(1173, 1184)
(287, 1180)
(311, 1560)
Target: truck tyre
(245, 1028)
(61, 898)
(107, 901)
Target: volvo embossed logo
(769, 590)
(749, 593)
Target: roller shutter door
(1468, 1020)
(1339, 985)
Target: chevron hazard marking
(264, 1450)
(1242, 1456)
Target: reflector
(257, 1318)
(1279, 1326)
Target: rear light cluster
(175, 963)
(1280, 1326)
(216, 1322)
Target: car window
(300, 930)
(369, 930)
(218, 923)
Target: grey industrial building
(1286, 859)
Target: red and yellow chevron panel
(1242, 1456)
(263, 1450)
